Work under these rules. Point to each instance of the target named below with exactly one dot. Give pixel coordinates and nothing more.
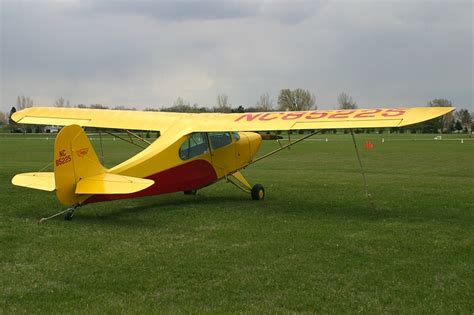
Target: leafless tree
(346, 102)
(465, 118)
(223, 105)
(151, 109)
(23, 102)
(180, 102)
(98, 106)
(264, 103)
(296, 100)
(472, 124)
(121, 107)
(183, 106)
(61, 102)
(446, 121)
(3, 119)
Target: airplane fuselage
(189, 163)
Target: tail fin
(79, 174)
(74, 159)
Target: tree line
(288, 100)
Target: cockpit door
(223, 153)
(242, 149)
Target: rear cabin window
(220, 139)
(194, 146)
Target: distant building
(51, 129)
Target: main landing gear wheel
(190, 192)
(258, 193)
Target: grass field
(315, 244)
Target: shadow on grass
(158, 211)
(151, 211)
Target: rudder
(74, 159)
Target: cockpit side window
(220, 139)
(195, 145)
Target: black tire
(258, 193)
(190, 192)
(68, 216)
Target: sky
(147, 53)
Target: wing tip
(17, 116)
(422, 114)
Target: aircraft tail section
(78, 172)
(74, 159)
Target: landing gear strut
(69, 213)
(238, 180)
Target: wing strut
(137, 137)
(366, 186)
(131, 140)
(101, 148)
(283, 147)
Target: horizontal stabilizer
(106, 183)
(38, 180)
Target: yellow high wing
(209, 122)
(78, 172)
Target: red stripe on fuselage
(188, 176)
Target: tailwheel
(68, 216)
(68, 213)
(190, 192)
(258, 193)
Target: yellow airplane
(192, 151)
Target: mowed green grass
(315, 244)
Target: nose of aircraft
(255, 140)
